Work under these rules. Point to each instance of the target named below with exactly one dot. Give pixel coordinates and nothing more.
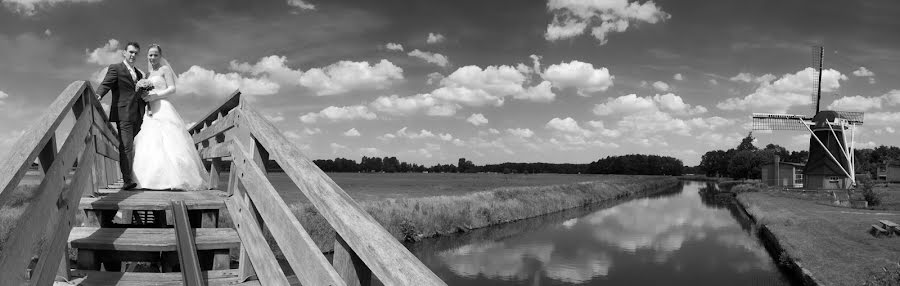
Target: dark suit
(127, 109)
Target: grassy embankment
(416, 218)
(830, 244)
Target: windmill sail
(765, 121)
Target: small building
(888, 172)
(783, 174)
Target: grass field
(831, 242)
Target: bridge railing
(362, 247)
(49, 214)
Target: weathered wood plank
(256, 248)
(155, 200)
(349, 266)
(222, 125)
(392, 263)
(148, 239)
(212, 277)
(187, 249)
(55, 251)
(216, 151)
(23, 152)
(229, 103)
(42, 210)
(299, 249)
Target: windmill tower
(831, 144)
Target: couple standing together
(155, 150)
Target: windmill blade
(818, 57)
(765, 121)
(854, 117)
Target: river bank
(824, 244)
(417, 218)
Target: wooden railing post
(347, 264)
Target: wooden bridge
(180, 234)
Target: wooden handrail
(50, 214)
(363, 247)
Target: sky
(491, 81)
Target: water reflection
(675, 239)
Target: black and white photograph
(438, 142)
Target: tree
(747, 143)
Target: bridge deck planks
(149, 239)
(155, 200)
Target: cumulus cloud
(539, 93)
(713, 81)
(301, 4)
(477, 119)
(346, 76)
(789, 90)
(108, 54)
(863, 103)
(277, 117)
(311, 131)
(661, 86)
(422, 134)
(569, 135)
(434, 77)
(352, 132)
(338, 148)
(520, 132)
(678, 76)
(863, 72)
(30, 7)
(430, 57)
(630, 104)
(340, 114)
(572, 18)
(410, 105)
(273, 66)
(200, 81)
(496, 80)
(3, 95)
(435, 38)
(580, 75)
(394, 47)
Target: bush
(868, 191)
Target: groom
(126, 108)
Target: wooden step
(213, 278)
(155, 200)
(148, 239)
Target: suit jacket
(126, 104)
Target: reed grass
(416, 218)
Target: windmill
(831, 162)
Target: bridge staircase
(80, 226)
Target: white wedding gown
(164, 153)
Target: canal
(673, 238)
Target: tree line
(745, 161)
(634, 164)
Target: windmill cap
(830, 115)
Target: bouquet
(143, 87)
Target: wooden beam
(216, 151)
(349, 266)
(25, 150)
(230, 103)
(389, 260)
(220, 126)
(187, 249)
(254, 244)
(42, 210)
(55, 251)
(297, 246)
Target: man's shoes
(129, 186)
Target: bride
(164, 153)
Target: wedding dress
(164, 153)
